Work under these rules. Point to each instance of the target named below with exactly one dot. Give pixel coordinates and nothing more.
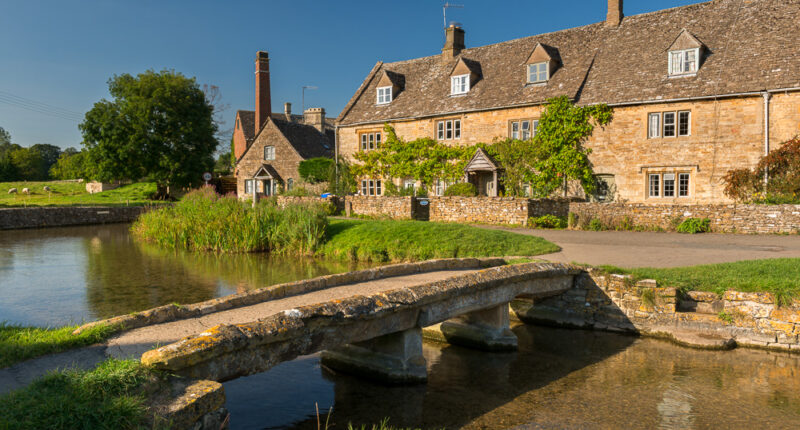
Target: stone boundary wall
(614, 303)
(724, 218)
(174, 312)
(380, 206)
(39, 217)
(494, 210)
(337, 202)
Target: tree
(5, 137)
(159, 125)
(50, 154)
(315, 170)
(29, 164)
(70, 165)
(223, 163)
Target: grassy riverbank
(418, 240)
(21, 343)
(65, 193)
(780, 276)
(112, 396)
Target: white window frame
(535, 128)
(674, 124)
(654, 192)
(269, 152)
(680, 190)
(688, 124)
(672, 189)
(524, 129)
(448, 129)
(248, 186)
(515, 126)
(384, 95)
(459, 84)
(370, 141)
(654, 130)
(371, 187)
(680, 64)
(535, 77)
(409, 184)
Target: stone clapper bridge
(367, 323)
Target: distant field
(74, 194)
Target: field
(68, 193)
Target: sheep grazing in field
(46, 188)
(26, 191)
(12, 191)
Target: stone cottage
(269, 146)
(696, 90)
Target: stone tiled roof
(247, 118)
(751, 46)
(305, 139)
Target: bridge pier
(394, 358)
(485, 329)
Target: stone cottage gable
(751, 46)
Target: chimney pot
(453, 43)
(263, 100)
(614, 17)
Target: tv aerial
(446, 6)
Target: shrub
(626, 224)
(547, 221)
(297, 192)
(392, 190)
(783, 185)
(464, 189)
(596, 225)
(315, 170)
(572, 220)
(694, 225)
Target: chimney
(454, 42)
(263, 101)
(315, 117)
(614, 16)
(287, 110)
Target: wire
(39, 107)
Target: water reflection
(558, 379)
(62, 275)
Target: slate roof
(751, 46)
(306, 139)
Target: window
(538, 72)
(237, 122)
(440, 186)
(655, 185)
(515, 130)
(684, 123)
(269, 152)
(654, 125)
(289, 184)
(449, 129)
(384, 95)
(669, 185)
(370, 141)
(409, 184)
(669, 124)
(371, 187)
(535, 126)
(683, 185)
(683, 62)
(248, 186)
(523, 129)
(459, 84)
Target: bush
(694, 225)
(392, 190)
(596, 225)
(572, 220)
(783, 186)
(315, 170)
(298, 192)
(547, 221)
(464, 189)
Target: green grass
(112, 396)
(21, 343)
(74, 194)
(384, 240)
(780, 276)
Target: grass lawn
(112, 396)
(74, 194)
(780, 276)
(419, 240)
(21, 343)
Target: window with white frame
(409, 184)
(384, 95)
(440, 186)
(248, 186)
(523, 129)
(538, 72)
(684, 123)
(269, 152)
(668, 185)
(683, 185)
(655, 185)
(448, 129)
(370, 141)
(669, 124)
(654, 125)
(535, 126)
(371, 187)
(289, 184)
(683, 62)
(459, 84)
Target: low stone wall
(380, 206)
(724, 218)
(38, 217)
(337, 202)
(494, 210)
(614, 302)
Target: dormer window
(538, 72)
(683, 62)
(459, 84)
(384, 95)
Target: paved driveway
(633, 249)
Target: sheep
(12, 191)
(26, 191)
(46, 188)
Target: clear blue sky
(61, 53)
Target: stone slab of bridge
(376, 335)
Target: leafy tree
(8, 171)
(342, 180)
(5, 137)
(159, 124)
(223, 163)
(70, 165)
(50, 154)
(315, 170)
(29, 164)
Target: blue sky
(62, 53)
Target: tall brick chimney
(614, 16)
(263, 101)
(453, 42)
(315, 117)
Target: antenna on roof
(447, 6)
(306, 87)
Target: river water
(558, 379)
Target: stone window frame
(459, 84)
(269, 152)
(660, 130)
(369, 140)
(682, 56)
(676, 191)
(539, 66)
(383, 95)
(289, 184)
(533, 127)
(371, 187)
(452, 126)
